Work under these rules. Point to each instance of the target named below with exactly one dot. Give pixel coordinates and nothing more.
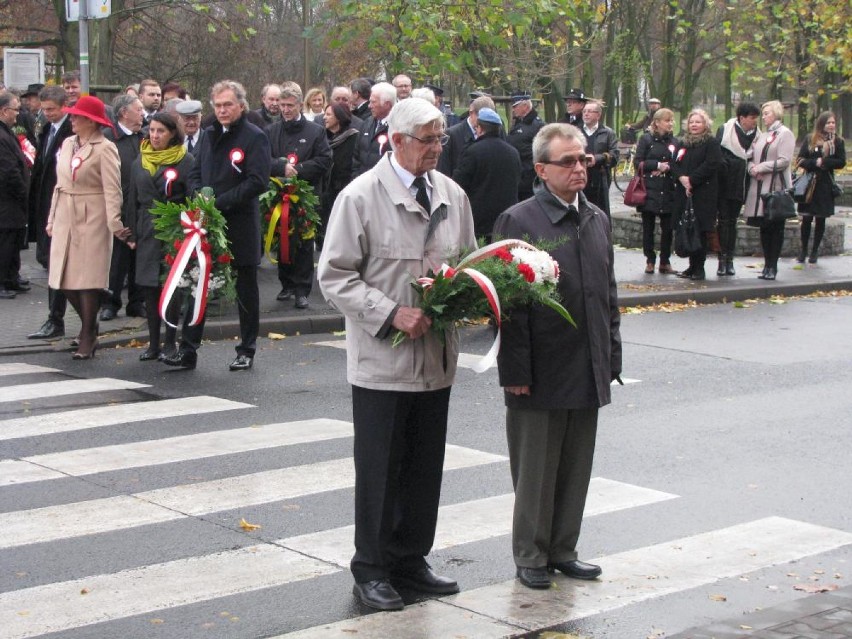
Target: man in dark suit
(14, 181)
(295, 137)
(127, 136)
(360, 97)
(461, 136)
(489, 171)
(521, 135)
(373, 142)
(602, 148)
(42, 183)
(234, 160)
(574, 103)
(189, 113)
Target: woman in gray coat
(159, 174)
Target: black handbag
(687, 234)
(778, 205)
(836, 189)
(803, 187)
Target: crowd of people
(722, 177)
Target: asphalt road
(722, 483)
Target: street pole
(306, 21)
(84, 47)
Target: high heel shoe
(80, 355)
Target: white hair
(423, 92)
(386, 92)
(407, 116)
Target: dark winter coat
(702, 162)
(460, 137)
(14, 181)
(236, 189)
(128, 152)
(521, 137)
(603, 144)
(373, 143)
(489, 171)
(42, 183)
(733, 177)
(145, 189)
(565, 367)
(822, 203)
(342, 149)
(308, 141)
(650, 151)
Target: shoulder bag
(803, 187)
(636, 194)
(687, 234)
(778, 205)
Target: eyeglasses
(569, 162)
(437, 139)
(15, 109)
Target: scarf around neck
(153, 160)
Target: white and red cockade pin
(76, 163)
(680, 154)
(171, 175)
(237, 157)
(672, 148)
(382, 140)
(292, 159)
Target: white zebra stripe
(23, 392)
(24, 369)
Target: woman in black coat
(821, 154)
(655, 153)
(696, 168)
(160, 173)
(342, 138)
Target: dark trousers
(122, 267)
(807, 221)
(726, 225)
(771, 240)
(697, 259)
(648, 220)
(550, 455)
(248, 308)
(298, 276)
(9, 252)
(399, 458)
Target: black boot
(729, 266)
(721, 269)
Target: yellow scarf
(153, 160)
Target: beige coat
(373, 251)
(85, 212)
(781, 148)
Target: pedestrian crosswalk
(261, 562)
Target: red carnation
(205, 246)
(504, 255)
(224, 258)
(177, 244)
(170, 260)
(301, 212)
(527, 271)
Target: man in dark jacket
(14, 183)
(360, 97)
(489, 172)
(270, 109)
(556, 376)
(736, 137)
(127, 136)
(42, 183)
(602, 147)
(234, 160)
(526, 125)
(299, 150)
(575, 100)
(461, 135)
(373, 142)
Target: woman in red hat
(84, 216)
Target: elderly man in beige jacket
(389, 226)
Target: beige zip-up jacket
(375, 247)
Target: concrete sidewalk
(28, 311)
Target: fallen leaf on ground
(277, 336)
(247, 526)
(745, 627)
(815, 588)
(718, 598)
(741, 305)
(84, 591)
(156, 621)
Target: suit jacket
(197, 145)
(461, 137)
(14, 180)
(42, 183)
(521, 137)
(362, 111)
(372, 144)
(85, 212)
(489, 171)
(128, 151)
(235, 185)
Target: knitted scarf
(153, 160)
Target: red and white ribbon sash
(193, 244)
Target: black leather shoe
(6, 294)
(241, 363)
(729, 267)
(301, 301)
(770, 274)
(182, 359)
(136, 310)
(425, 580)
(48, 330)
(21, 286)
(378, 594)
(285, 294)
(150, 355)
(686, 273)
(762, 276)
(534, 577)
(698, 274)
(576, 569)
(107, 314)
